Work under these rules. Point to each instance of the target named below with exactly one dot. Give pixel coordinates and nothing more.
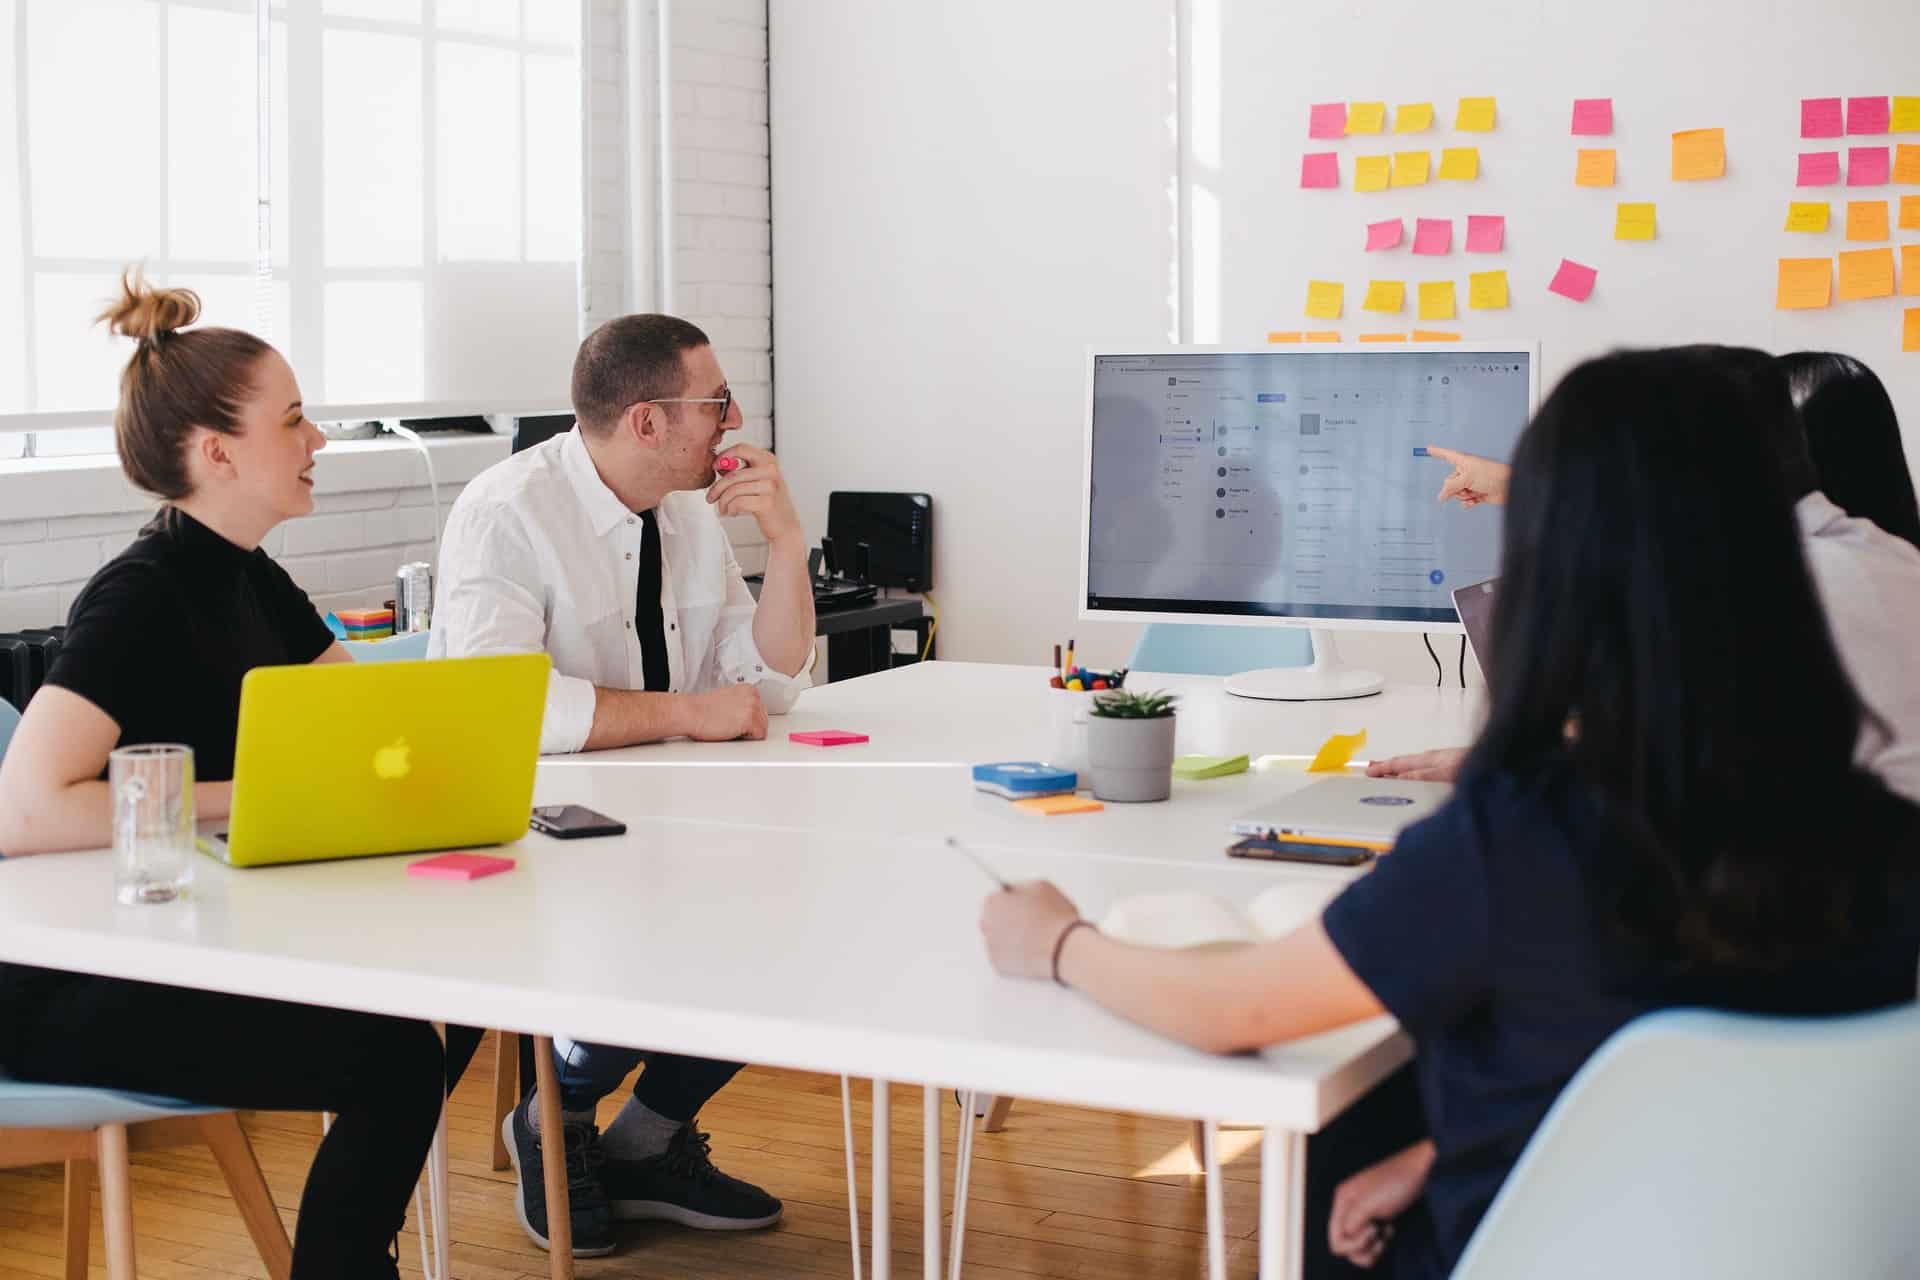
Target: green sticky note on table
(1336, 751)
(1194, 768)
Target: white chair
(1712, 1144)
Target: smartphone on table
(574, 822)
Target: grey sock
(638, 1132)
(566, 1117)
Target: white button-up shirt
(540, 555)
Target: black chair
(528, 432)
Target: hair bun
(145, 313)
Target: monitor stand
(1324, 679)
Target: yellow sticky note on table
(1325, 298)
(1048, 806)
(1866, 273)
(1436, 300)
(1910, 339)
(1910, 213)
(1906, 163)
(1323, 335)
(1633, 222)
(1867, 220)
(1434, 335)
(1459, 164)
(1910, 270)
(1371, 173)
(1410, 168)
(1474, 116)
(1906, 116)
(1385, 295)
(1366, 117)
(1413, 117)
(1594, 168)
(1805, 284)
(1807, 215)
(1487, 290)
(1699, 153)
(1336, 751)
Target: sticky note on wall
(1698, 154)
(1910, 271)
(1370, 173)
(1867, 115)
(1410, 168)
(1818, 169)
(1487, 290)
(1323, 335)
(1385, 295)
(1434, 335)
(1325, 299)
(1436, 300)
(1910, 338)
(1594, 167)
(1906, 163)
(1459, 164)
(1866, 273)
(1805, 284)
(1474, 116)
(1366, 117)
(1573, 280)
(1820, 118)
(1383, 337)
(1868, 166)
(1807, 215)
(1327, 120)
(1433, 236)
(1906, 116)
(1867, 220)
(1286, 336)
(1320, 169)
(1385, 235)
(1910, 213)
(1592, 117)
(1413, 117)
(1634, 222)
(1486, 233)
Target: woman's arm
(51, 796)
(336, 652)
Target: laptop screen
(1475, 605)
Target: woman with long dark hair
(1854, 437)
(1646, 820)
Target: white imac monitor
(1292, 487)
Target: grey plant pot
(1130, 760)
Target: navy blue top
(1489, 933)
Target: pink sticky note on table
(1573, 280)
(1433, 235)
(1327, 120)
(1868, 166)
(1592, 116)
(1486, 233)
(1820, 118)
(1819, 168)
(1868, 115)
(1320, 169)
(1385, 235)
(827, 738)
(459, 866)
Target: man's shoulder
(518, 477)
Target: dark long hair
(1854, 438)
(1656, 630)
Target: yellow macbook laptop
(347, 759)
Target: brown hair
(628, 360)
(176, 381)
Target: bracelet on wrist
(1060, 944)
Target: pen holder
(1069, 709)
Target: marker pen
(728, 465)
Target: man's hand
(1366, 1204)
(726, 714)
(758, 490)
(1474, 479)
(1442, 765)
(1022, 924)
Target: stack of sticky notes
(1024, 779)
(1194, 768)
(1054, 806)
(366, 624)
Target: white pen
(975, 859)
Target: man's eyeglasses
(724, 401)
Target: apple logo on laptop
(391, 763)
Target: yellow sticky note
(1383, 337)
(1906, 164)
(1325, 298)
(1633, 222)
(1385, 295)
(1906, 116)
(1867, 220)
(1410, 168)
(1910, 270)
(1459, 164)
(1371, 173)
(1434, 335)
(1475, 115)
(1048, 806)
(1487, 290)
(1910, 340)
(1413, 117)
(1805, 284)
(1366, 117)
(1699, 153)
(1866, 273)
(1336, 751)
(1291, 335)
(1436, 300)
(1910, 213)
(1594, 168)
(1807, 215)
(1323, 335)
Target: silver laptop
(1346, 809)
(1475, 606)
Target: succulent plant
(1124, 704)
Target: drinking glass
(153, 821)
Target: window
(423, 209)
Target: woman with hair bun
(210, 422)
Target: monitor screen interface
(1294, 484)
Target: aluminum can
(413, 597)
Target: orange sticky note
(1413, 117)
(1336, 751)
(1910, 341)
(1910, 213)
(1434, 335)
(1594, 168)
(1906, 163)
(1325, 299)
(1371, 173)
(1867, 220)
(1410, 168)
(1459, 164)
(1487, 290)
(1866, 273)
(1436, 300)
(1049, 806)
(1807, 215)
(1366, 117)
(1474, 116)
(1805, 284)
(1699, 153)
(1634, 222)
(1383, 337)
(1291, 335)
(1910, 270)
(1385, 295)
(1323, 335)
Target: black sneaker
(681, 1185)
(592, 1222)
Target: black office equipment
(897, 529)
(528, 432)
(472, 423)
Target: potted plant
(1130, 746)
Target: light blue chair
(1184, 649)
(9, 721)
(1713, 1144)
(400, 648)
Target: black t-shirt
(1489, 933)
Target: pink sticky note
(1868, 166)
(1433, 235)
(827, 738)
(1573, 280)
(1820, 118)
(1868, 115)
(1486, 233)
(1320, 169)
(1327, 120)
(1819, 168)
(1385, 235)
(1592, 116)
(459, 866)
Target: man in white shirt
(600, 548)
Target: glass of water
(153, 821)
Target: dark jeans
(671, 1086)
(1388, 1120)
(383, 1078)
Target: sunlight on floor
(1181, 1159)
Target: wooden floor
(1061, 1192)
